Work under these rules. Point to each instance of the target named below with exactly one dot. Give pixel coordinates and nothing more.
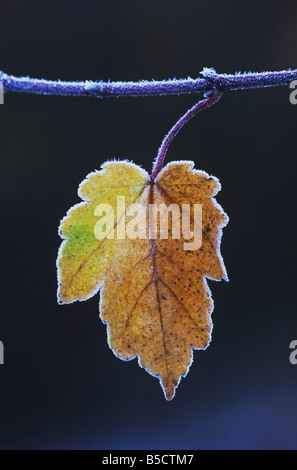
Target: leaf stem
(208, 81)
(211, 98)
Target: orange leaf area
(153, 291)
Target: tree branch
(208, 81)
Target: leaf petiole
(212, 97)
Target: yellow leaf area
(153, 293)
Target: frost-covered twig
(208, 81)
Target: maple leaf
(153, 293)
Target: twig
(208, 81)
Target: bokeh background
(61, 386)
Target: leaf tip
(169, 395)
(169, 389)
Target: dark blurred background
(61, 387)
